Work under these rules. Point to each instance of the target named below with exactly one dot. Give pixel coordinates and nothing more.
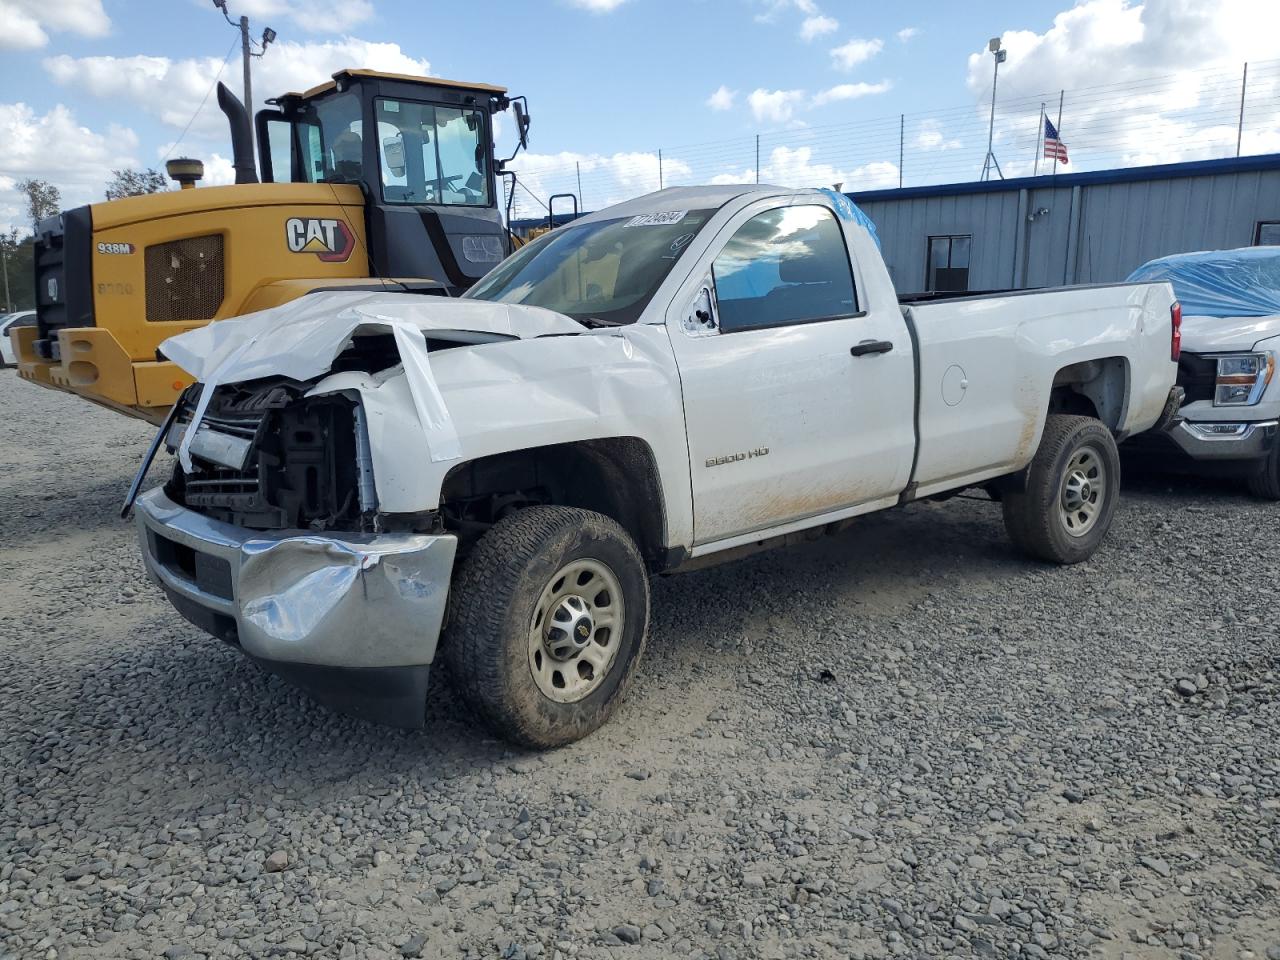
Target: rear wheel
(1266, 482)
(548, 621)
(1073, 484)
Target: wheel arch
(614, 476)
(1093, 388)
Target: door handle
(867, 347)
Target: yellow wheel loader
(369, 180)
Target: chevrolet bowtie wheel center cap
(570, 628)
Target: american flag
(1053, 147)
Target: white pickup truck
(1230, 417)
(677, 379)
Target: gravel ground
(903, 741)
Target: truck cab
(370, 180)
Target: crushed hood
(302, 338)
(1221, 334)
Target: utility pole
(4, 259)
(989, 162)
(1244, 85)
(246, 55)
(902, 132)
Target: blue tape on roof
(848, 210)
(1221, 283)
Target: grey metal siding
(1119, 226)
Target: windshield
(432, 154)
(605, 271)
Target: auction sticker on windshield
(657, 219)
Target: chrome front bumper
(325, 610)
(1207, 440)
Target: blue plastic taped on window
(846, 209)
(1220, 283)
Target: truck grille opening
(301, 473)
(184, 279)
(1198, 376)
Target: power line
(173, 146)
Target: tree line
(44, 199)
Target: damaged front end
(267, 457)
(272, 542)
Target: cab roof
(401, 77)
(684, 198)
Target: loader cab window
(329, 138)
(432, 154)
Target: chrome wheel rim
(576, 630)
(1084, 491)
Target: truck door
(799, 399)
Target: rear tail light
(1175, 338)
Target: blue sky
(89, 85)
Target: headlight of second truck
(1242, 378)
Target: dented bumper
(352, 618)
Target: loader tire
(548, 621)
(1072, 487)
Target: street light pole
(246, 55)
(989, 162)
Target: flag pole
(1061, 94)
(1039, 140)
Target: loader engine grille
(184, 279)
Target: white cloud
(773, 8)
(774, 106)
(722, 99)
(794, 167)
(598, 6)
(1161, 49)
(929, 136)
(906, 33)
(818, 25)
(312, 16)
(55, 147)
(607, 178)
(850, 91)
(856, 51)
(26, 22)
(171, 89)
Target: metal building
(1071, 228)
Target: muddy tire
(548, 620)
(1266, 482)
(1073, 485)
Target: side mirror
(522, 123)
(701, 319)
(393, 153)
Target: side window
(1267, 233)
(784, 266)
(948, 264)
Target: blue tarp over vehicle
(1221, 283)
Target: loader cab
(421, 151)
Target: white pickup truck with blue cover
(368, 483)
(1230, 418)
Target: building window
(1267, 233)
(948, 264)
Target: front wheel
(1266, 482)
(548, 621)
(1073, 484)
